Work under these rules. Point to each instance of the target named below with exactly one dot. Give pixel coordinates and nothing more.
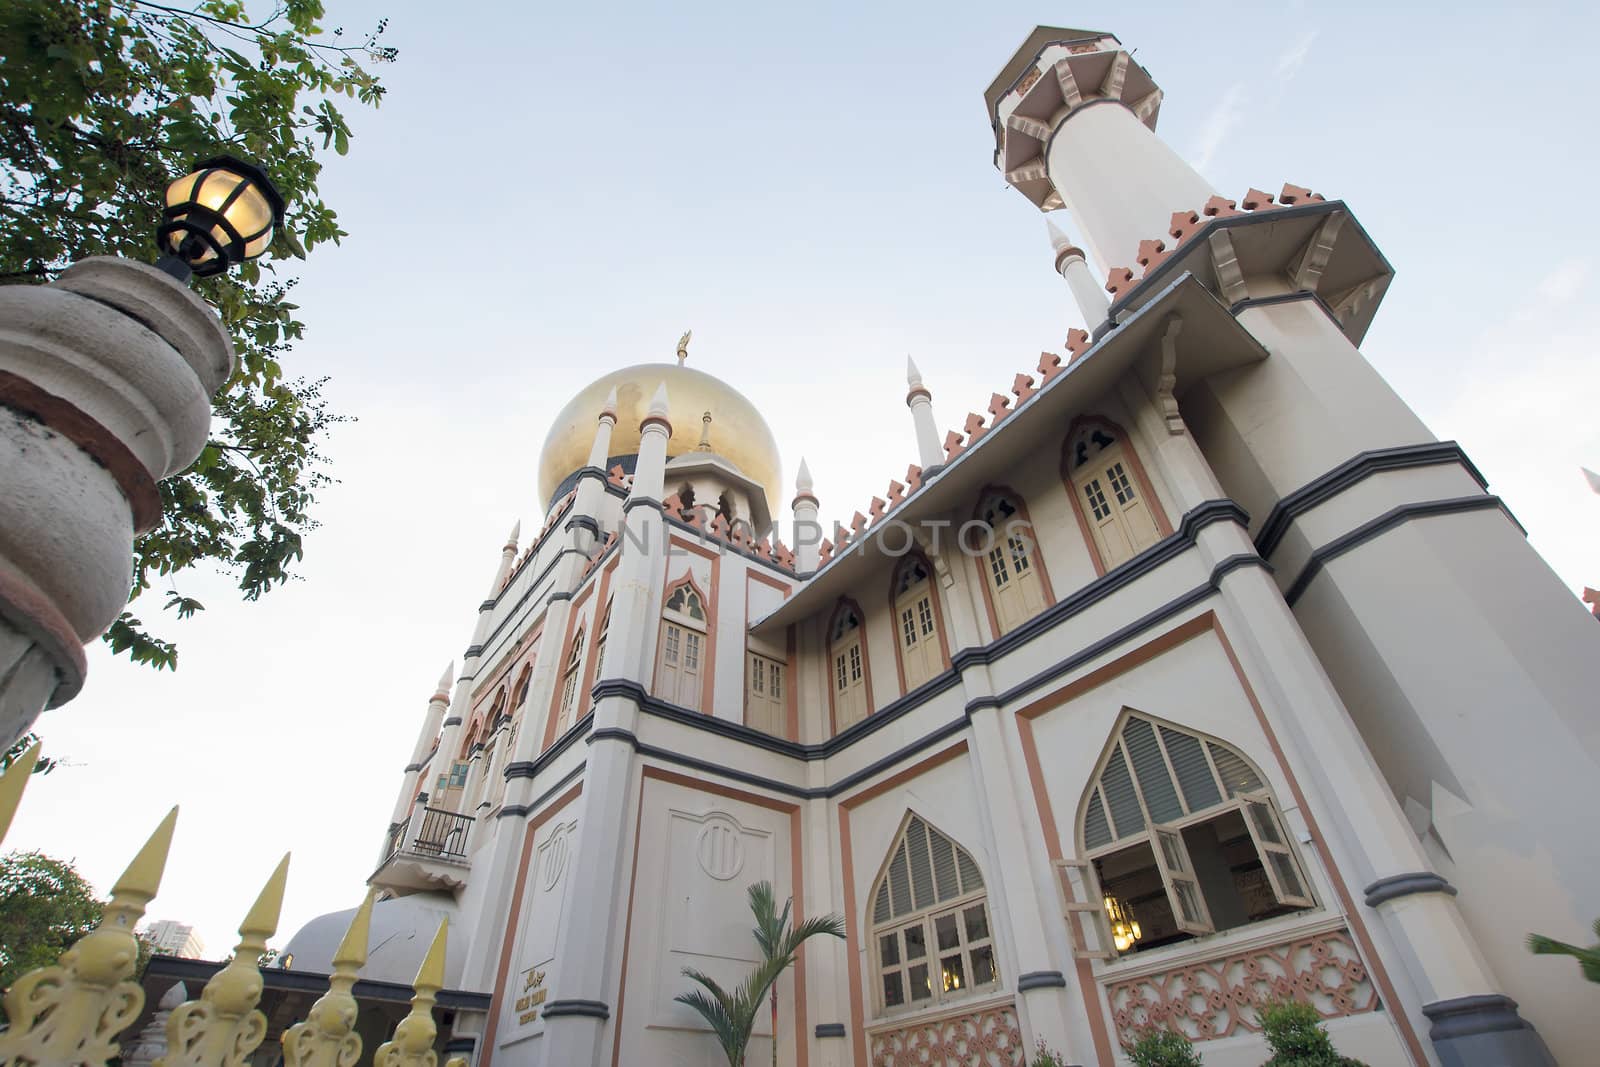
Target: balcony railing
(443, 834)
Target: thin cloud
(1218, 124)
(1564, 282)
(1292, 59)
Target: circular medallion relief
(719, 848)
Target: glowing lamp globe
(221, 214)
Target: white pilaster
(929, 454)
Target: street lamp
(221, 214)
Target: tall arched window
(1010, 562)
(915, 625)
(847, 655)
(571, 679)
(931, 932)
(1110, 495)
(1182, 835)
(600, 641)
(683, 645)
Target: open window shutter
(1080, 898)
(1177, 874)
(1272, 845)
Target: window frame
(569, 682)
(761, 674)
(915, 606)
(1151, 834)
(1010, 590)
(926, 919)
(848, 671)
(694, 638)
(1075, 478)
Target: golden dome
(738, 432)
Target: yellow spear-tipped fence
(70, 1013)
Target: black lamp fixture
(221, 214)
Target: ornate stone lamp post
(106, 381)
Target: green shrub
(1045, 1056)
(1161, 1047)
(1295, 1033)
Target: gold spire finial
(705, 433)
(412, 1044)
(224, 1027)
(72, 1011)
(327, 1037)
(12, 783)
(683, 346)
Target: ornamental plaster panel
(534, 968)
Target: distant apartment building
(174, 939)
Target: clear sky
(552, 191)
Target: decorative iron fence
(443, 834)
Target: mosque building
(1192, 669)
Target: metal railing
(443, 834)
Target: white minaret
(582, 524)
(929, 455)
(431, 721)
(1088, 294)
(1076, 131)
(807, 530)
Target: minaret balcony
(426, 852)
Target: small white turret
(929, 455)
(649, 472)
(1071, 265)
(429, 732)
(508, 557)
(807, 530)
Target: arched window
(1109, 494)
(522, 687)
(600, 642)
(1010, 562)
(683, 643)
(931, 933)
(1184, 837)
(571, 679)
(848, 676)
(915, 625)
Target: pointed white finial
(515, 535)
(1059, 242)
(447, 677)
(802, 480)
(610, 407)
(658, 403)
(913, 375)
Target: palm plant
(732, 1014)
(1588, 958)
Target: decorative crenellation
(538, 541)
(958, 441)
(989, 1037)
(616, 476)
(1217, 997)
(1185, 224)
(736, 534)
(599, 553)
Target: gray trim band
(487, 605)
(510, 811)
(1041, 980)
(639, 502)
(472, 651)
(454, 720)
(584, 522)
(1466, 1016)
(414, 767)
(830, 1030)
(461, 1044)
(1372, 528)
(1351, 472)
(1405, 885)
(592, 1009)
